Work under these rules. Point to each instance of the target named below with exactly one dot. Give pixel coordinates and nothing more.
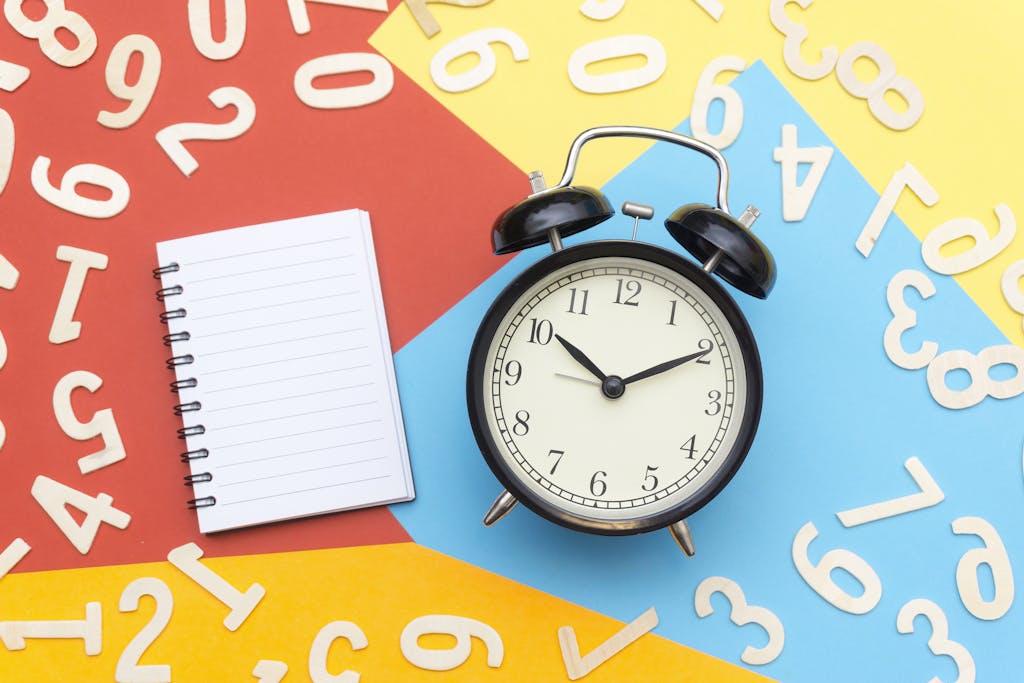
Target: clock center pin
(613, 386)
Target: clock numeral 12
(632, 288)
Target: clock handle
(653, 134)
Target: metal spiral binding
(178, 385)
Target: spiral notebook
(284, 373)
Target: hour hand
(667, 365)
(581, 358)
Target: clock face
(614, 387)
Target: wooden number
(478, 43)
(101, 424)
(8, 274)
(269, 671)
(978, 366)
(351, 96)
(300, 16)
(939, 642)
(170, 138)
(64, 328)
(186, 559)
(713, 8)
(985, 247)
(12, 555)
(741, 613)
(54, 498)
(427, 23)
(138, 95)
(128, 668)
(322, 645)
(601, 10)
(6, 148)
(930, 494)
(707, 91)
(874, 91)
(796, 34)
(907, 177)
(797, 197)
(202, 32)
(819, 576)
(462, 628)
(904, 318)
(577, 667)
(65, 196)
(44, 30)
(1010, 286)
(617, 47)
(12, 76)
(90, 630)
(994, 556)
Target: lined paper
(290, 350)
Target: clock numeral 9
(598, 486)
(541, 331)
(521, 427)
(715, 404)
(650, 480)
(632, 288)
(514, 369)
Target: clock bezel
(478, 382)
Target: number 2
(170, 138)
(128, 668)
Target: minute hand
(662, 367)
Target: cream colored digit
(89, 630)
(978, 367)
(12, 75)
(269, 671)
(352, 96)
(101, 424)
(54, 498)
(797, 197)
(741, 613)
(3, 359)
(939, 642)
(65, 196)
(874, 90)
(930, 494)
(795, 35)
(171, 137)
(186, 559)
(907, 177)
(601, 10)
(322, 644)
(14, 553)
(3, 434)
(984, 248)
(819, 576)
(994, 556)
(707, 91)
(64, 328)
(423, 16)
(138, 95)
(904, 317)
(478, 43)
(44, 30)
(713, 8)
(128, 668)
(6, 148)
(577, 667)
(202, 32)
(617, 47)
(300, 16)
(462, 628)
(8, 274)
(1011, 287)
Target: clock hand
(581, 358)
(585, 380)
(662, 367)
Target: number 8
(45, 31)
(978, 367)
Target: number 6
(819, 577)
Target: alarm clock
(615, 387)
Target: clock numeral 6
(598, 486)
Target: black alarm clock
(614, 387)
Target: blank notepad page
(295, 409)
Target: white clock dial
(616, 389)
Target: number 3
(939, 642)
(741, 614)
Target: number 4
(797, 197)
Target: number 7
(906, 177)
(929, 495)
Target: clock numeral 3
(584, 293)
(632, 289)
(715, 403)
(598, 486)
(521, 427)
(541, 331)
